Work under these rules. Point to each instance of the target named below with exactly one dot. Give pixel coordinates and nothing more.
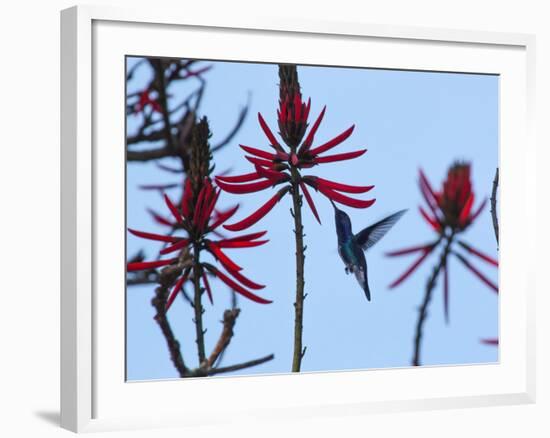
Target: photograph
(294, 218)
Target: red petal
(246, 188)
(247, 177)
(428, 194)
(244, 244)
(340, 187)
(433, 222)
(306, 111)
(465, 213)
(151, 236)
(245, 237)
(176, 290)
(297, 107)
(311, 135)
(310, 202)
(199, 204)
(258, 152)
(207, 287)
(158, 218)
(273, 141)
(222, 257)
(339, 157)
(411, 250)
(411, 269)
(223, 217)
(210, 205)
(273, 175)
(334, 142)
(140, 266)
(476, 213)
(238, 288)
(260, 162)
(478, 253)
(430, 197)
(156, 106)
(246, 281)
(173, 209)
(477, 273)
(258, 214)
(186, 198)
(175, 247)
(345, 200)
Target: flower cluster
(452, 207)
(198, 221)
(450, 212)
(145, 99)
(282, 166)
(196, 214)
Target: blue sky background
(406, 120)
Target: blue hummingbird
(352, 247)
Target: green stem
(300, 258)
(197, 304)
(423, 311)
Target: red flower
(198, 218)
(282, 166)
(449, 212)
(451, 207)
(146, 99)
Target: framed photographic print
(283, 218)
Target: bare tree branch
(229, 319)
(241, 366)
(151, 154)
(233, 132)
(167, 278)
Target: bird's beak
(333, 204)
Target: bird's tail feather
(367, 290)
(361, 277)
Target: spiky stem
(494, 206)
(300, 259)
(166, 279)
(197, 304)
(430, 286)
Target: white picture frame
(93, 396)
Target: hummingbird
(352, 247)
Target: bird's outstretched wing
(370, 235)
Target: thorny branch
(229, 319)
(494, 206)
(423, 310)
(167, 278)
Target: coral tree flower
(197, 219)
(449, 213)
(145, 99)
(282, 166)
